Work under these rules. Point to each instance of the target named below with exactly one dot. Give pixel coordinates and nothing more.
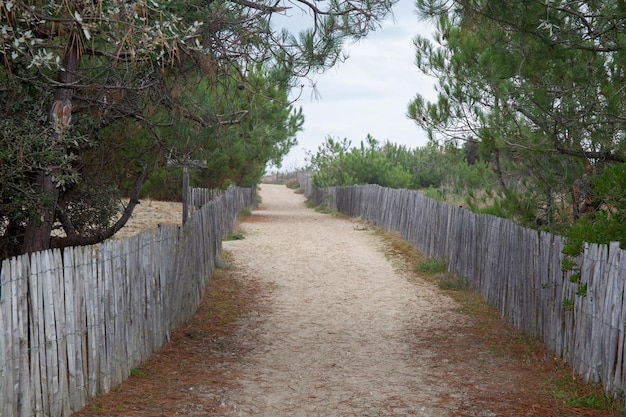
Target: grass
(322, 208)
(571, 392)
(431, 266)
(137, 373)
(293, 184)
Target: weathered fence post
(185, 164)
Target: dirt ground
(318, 317)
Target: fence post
(185, 164)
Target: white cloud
(369, 93)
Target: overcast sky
(368, 93)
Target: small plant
(431, 266)
(322, 208)
(569, 390)
(137, 373)
(575, 277)
(235, 235)
(568, 304)
(574, 247)
(569, 265)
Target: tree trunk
(498, 171)
(37, 236)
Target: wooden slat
(48, 348)
(121, 367)
(75, 318)
(38, 375)
(58, 337)
(132, 296)
(15, 300)
(614, 317)
(9, 376)
(90, 274)
(106, 316)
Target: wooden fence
(517, 270)
(74, 322)
(198, 197)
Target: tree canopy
(97, 94)
(541, 86)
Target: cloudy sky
(368, 93)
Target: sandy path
(316, 321)
(336, 339)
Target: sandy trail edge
(336, 340)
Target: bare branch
(79, 240)
(262, 7)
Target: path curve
(337, 338)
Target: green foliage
(601, 227)
(164, 183)
(610, 184)
(571, 267)
(327, 163)
(536, 87)
(25, 151)
(568, 265)
(571, 392)
(442, 171)
(238, 132)
(568, 304)
(92, 205)
(235, 235)
(137, 373)
(432, 266)
(293, 184)
(606, 220)
(107, 89)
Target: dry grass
(149, 214)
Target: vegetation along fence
(74, 322)
(517, 270)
